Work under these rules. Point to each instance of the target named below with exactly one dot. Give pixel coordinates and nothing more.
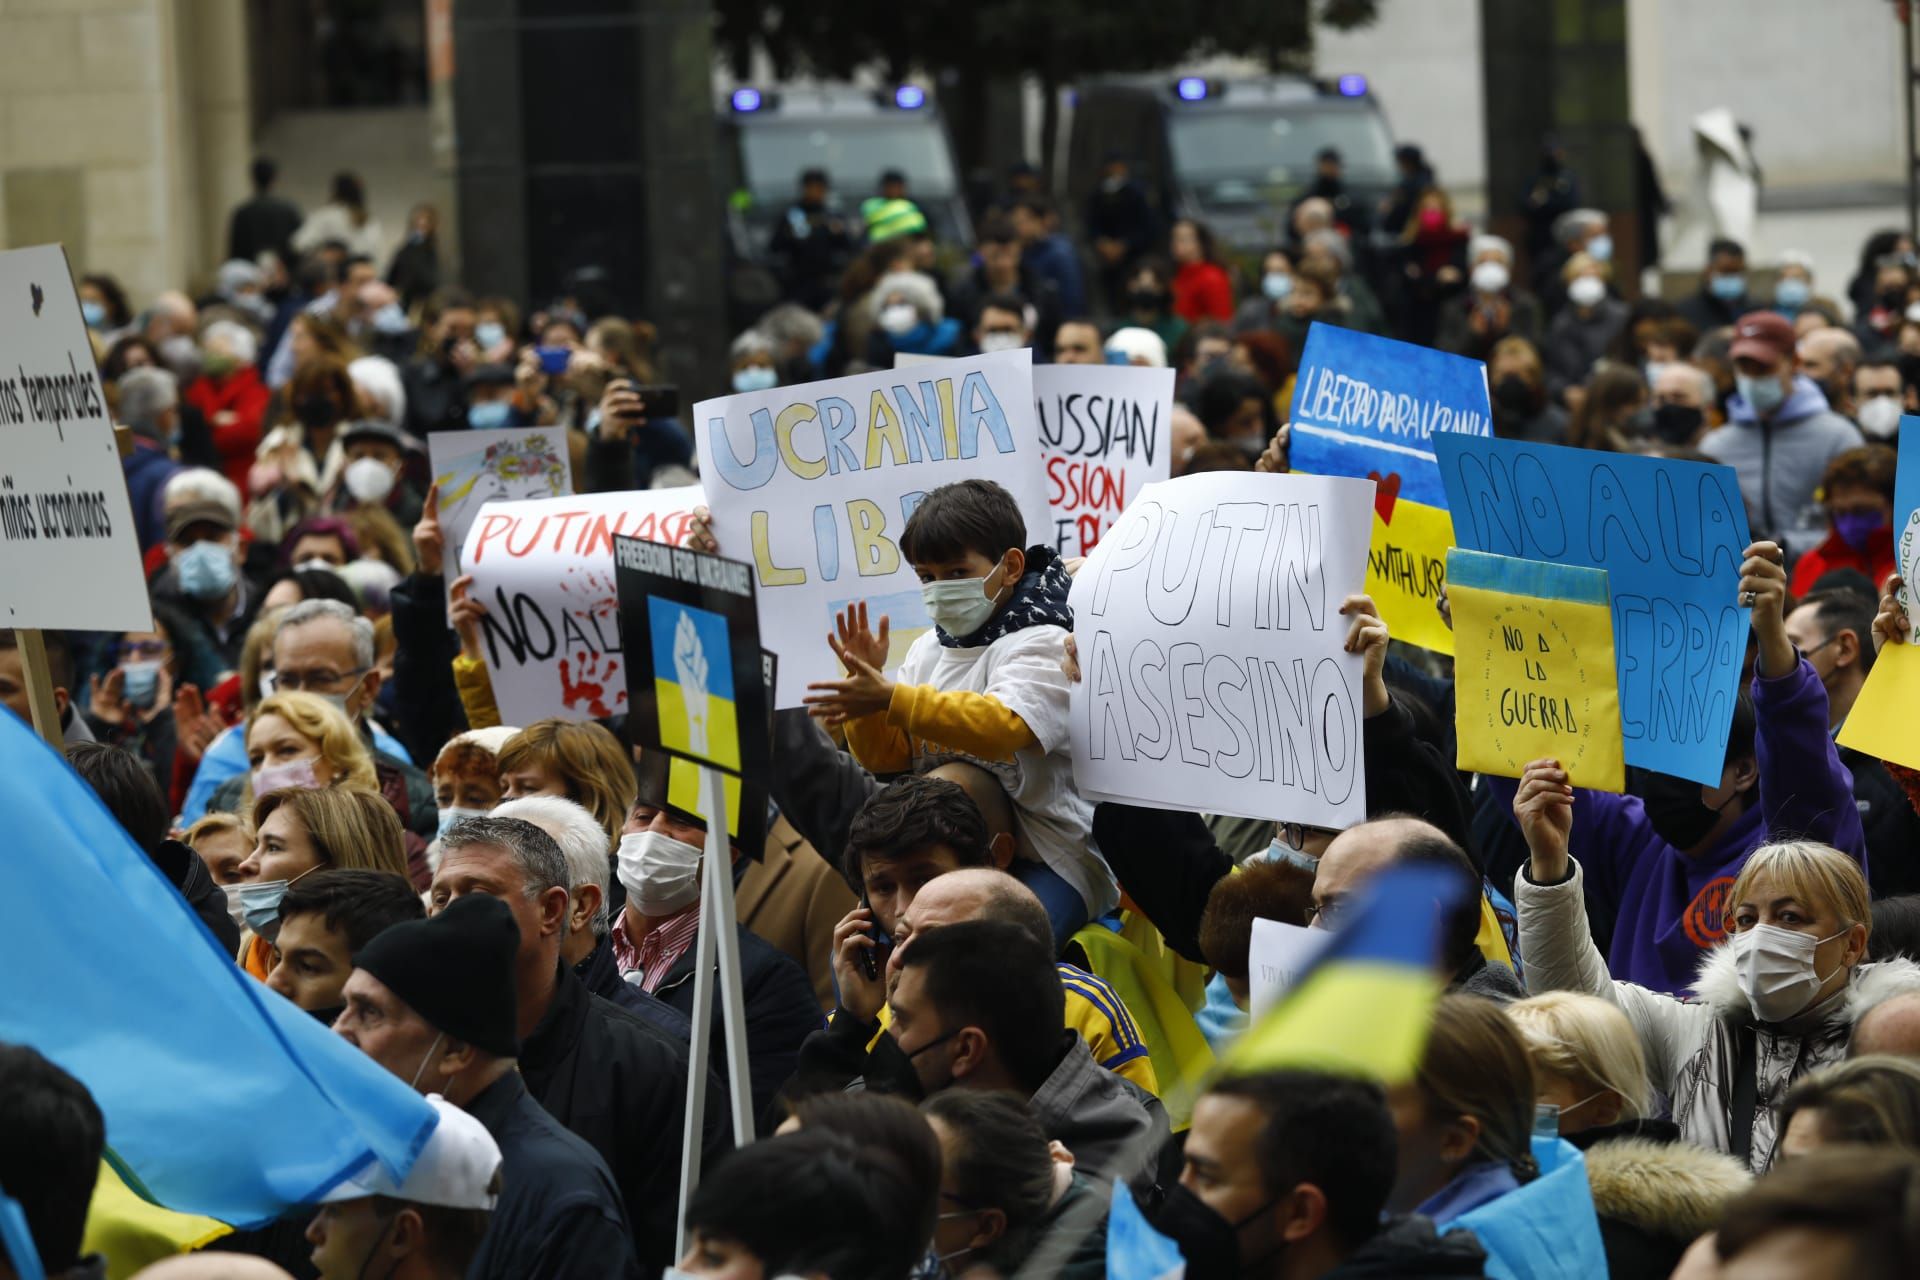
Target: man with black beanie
(432, 1001)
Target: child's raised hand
(864, 692)
(854, 638)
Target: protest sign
(1280, 953)
(1670, 536)
(1407, 570)
(1214, 676)
(1370, 406)
(1906, 517)
(544, 570)
(1534, 673)
(512, 464)
(71, 552)
(814, 483)
(1105, 433)
(676, 782)
(1881, 722)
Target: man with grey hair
(1575, 231)
(1331, 248)
(1685, 405)
(203, 579)
(584, 945)
(1492, 307)
(148, 405)
(1829, 356)
(611, 1078)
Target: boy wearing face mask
(983, 684)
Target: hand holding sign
(1890, 625)
(429, 543)
(1544, 808)
(1368, 637)
(1763, 588)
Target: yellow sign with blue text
(1534, 672)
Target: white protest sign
(1280, 953)
(1106, 432)
(69, 552)
(544, 570)
(1213, 671)
(814, 483)
(473, 468)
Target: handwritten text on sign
(1670, 536)
(1106, 433)
(1214, 675)
(814, 483)
(544, 569)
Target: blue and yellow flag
(693, 680)
(1362, 1008)
(220, 1097)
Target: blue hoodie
(1780, 461)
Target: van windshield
(854, 152)
(1265, 147)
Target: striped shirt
(659, 951)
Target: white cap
(1136, 344)
(457, 1169)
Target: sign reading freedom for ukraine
(1670, 536)
(814, 484)
(1368, 406)
(1214, 675)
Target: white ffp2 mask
(661, 874)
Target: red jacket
(1201, 291)
(1834, 553)
(245, 396)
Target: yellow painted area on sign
(687, 791)
(714, 736)
(1882, 719)
(1406, 569)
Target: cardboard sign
(1213, 671)
(1906, 519)
(544, 569)
(1407, 570)
(474, 468)
(69, 552)
(1279, 955)
(1881, 722)
(1368, 406)
(1534, 672)
(1106, 432)
(1670, 536)
(813, 484)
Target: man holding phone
(635, 440)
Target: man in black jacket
(432, 1001)
(609, 1077)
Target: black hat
(455, 969)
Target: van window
(1264, 147)
(854, 153)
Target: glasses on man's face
(1808, 653)
(1295, 834)
(317, 681)
(1327, 915)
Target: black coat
(602, 975)
(426, 702)
(436, 397)
(264, 222)
(781, 1011)
(559, 1214)
(1892, 827)
(621, 1085)
(187, 873)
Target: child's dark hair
(972, 515)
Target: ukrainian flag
(693, 682)
(220, 1097)
(1363, 1007)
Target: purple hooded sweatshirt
(1671, 907)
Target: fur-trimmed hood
(1670, 1189)
(1717, 985)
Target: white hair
(751, 343)
(1575, 222)
(378, 382)
(1797, 258)
(1334, 244)
(236, 337)
(1484, 243)
(580, 837)
(145, 394)
(372, 581)
(201, 484)
(1136, 343)
(915, 287)
(359, 630)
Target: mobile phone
(553, 360)
(659, 402)
(870, 958)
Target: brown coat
(793, 899)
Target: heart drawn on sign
(1386, 492)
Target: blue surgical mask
(94, 314)
(1764, 394)
(258, 905)
(1792, 292)
(453, 814)
(960, 606)
(1276, 285)
(1600, 248)
(140, 682)
(206, 570)
(1727, 288)
(485, 417)
(489, 335)
(755, 377)
(1281, 851)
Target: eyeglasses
(313, 681)
(1808, 653)
(1327, 914)
(1295, 834)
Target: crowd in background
(974, 1000)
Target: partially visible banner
(473, 468)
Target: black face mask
(1515, 395)
(1209, 1243)
(1676, 423)
(1147, 300)
(315, 412)
(1678, 814)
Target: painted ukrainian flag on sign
(1363, 1008)
(693, 680)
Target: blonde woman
(576, 759)
(1653, 1193)
(223, 841)
(297, 740)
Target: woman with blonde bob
(579, 760)
(1776, 1000)
(1653, 1193)
(297, 740)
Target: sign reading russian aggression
(814, 483)
(1106, 433)
(1533, 670)
(1370, 406)
(473, 468)
(1214, 675)
(544, 570)
(1671, 536)
(69, 550)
